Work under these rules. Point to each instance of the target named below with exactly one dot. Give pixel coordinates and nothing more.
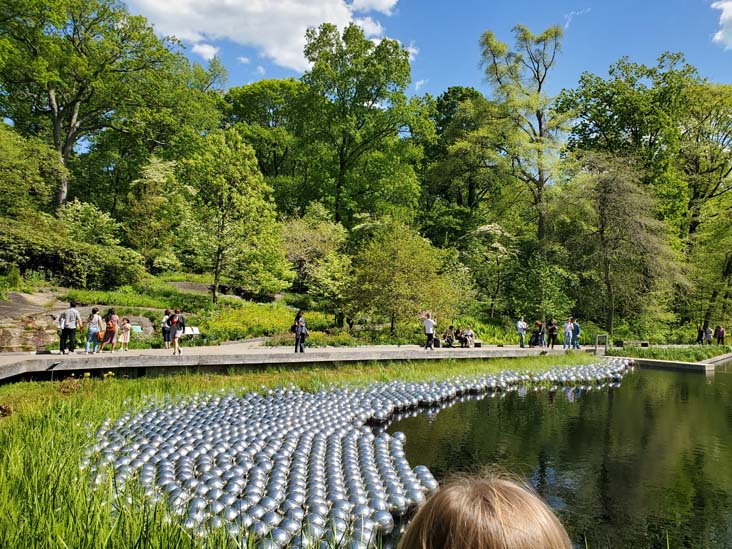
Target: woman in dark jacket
(552, 333)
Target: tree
(232, 202)
(29, 173)
(612, 232)
(158, 211)
(639, 111)
(355, 98)
(399, 274)
(518, 78)
(72, 68)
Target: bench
(192, 331)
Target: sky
(257, 39)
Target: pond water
(646, 464)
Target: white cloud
(207, 51)
(371, 28)
(243, 60)
(260, 69)
(568, 17)
(382, 6)
(724, 35)
(412, 50)
(275, 28)
(419, 84)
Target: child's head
(493, 513)
(125, 320)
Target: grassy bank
(44, 499)
(692, 353)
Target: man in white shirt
(521, 327)
(69, 321)
(429, 331)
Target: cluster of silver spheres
(287, 467)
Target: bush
(336, 338)
(256, 320)
(41, 243)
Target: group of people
(705, 335)
(173, 327)
(100, 331)
(451, 336)
(111, 330)
(572, 331)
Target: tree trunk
(610, 297)
(726, 277)
(340, 318)
(217, 274)
(393, 323)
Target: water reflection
(643, 465)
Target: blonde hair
(484, 513)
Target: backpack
(173, 320)
(293, 328)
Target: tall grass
(692, 353)
(45, 499)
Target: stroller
(535, 340)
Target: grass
(44, 496)
(691, 353)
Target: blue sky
(258, 39)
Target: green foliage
(87, 223)
(399, 275)
(256, 320)
(692, 353)
(42, 241)
(29, 172)
(235, 217)
(147, 293)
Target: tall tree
(356, 98)
(232, 202)
(519, 78)
(72, 67)
(610, 230)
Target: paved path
(251, 353)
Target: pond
(646, 464)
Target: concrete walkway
(251, 353)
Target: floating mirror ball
(290, 468)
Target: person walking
(94, 328)
(720, 336)
(69, 321)
(576, 330)
(301, 332)
(110, 331)
(568, 329)
(553, 329)
(699, 335)
(708, 335)
(177, 323)
(165, 329)
(429, 331)
(521, 327)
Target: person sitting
(490, 513)
(468, 336)
(449, 336)
(459, 336)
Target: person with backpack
(165, 328)
(94, 325)
(110, 331)
(300, 331)
(177, 323)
